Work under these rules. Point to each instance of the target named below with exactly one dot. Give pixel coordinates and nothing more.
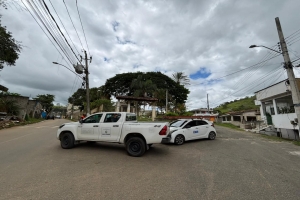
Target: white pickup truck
(115, 127)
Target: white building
(277, 109)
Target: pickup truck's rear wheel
(67, 140)
(135, 146)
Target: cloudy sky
(207, 40)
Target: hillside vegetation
(246, 103)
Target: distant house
(277, 109)
(244, 119)
(205, 113)
(30, 107)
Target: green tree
(120, 85)
(107, 105)
(10, 106)
(9, 47)
(46, 101)
(180, 78)
(79, 97)
(142, 87)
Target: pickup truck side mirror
(80, 121)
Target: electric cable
(83, 29)
(73, 24)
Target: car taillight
(163, 131)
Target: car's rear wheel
(67, 140)
(212, 135)
(179, 139)
(135, 146)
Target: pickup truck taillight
(163, 130)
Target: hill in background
(246, 103)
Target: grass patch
(229, 125)
(296, 143)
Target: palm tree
(180, 78)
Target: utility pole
(166, 100)
(289, 69)
(207, 103)
(87, 85)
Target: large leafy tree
(180, 78)
(46, 100)
(142, 87)
(9, 47)
(120, 85)
(79, 97)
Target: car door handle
(115, 125)
(95, 126)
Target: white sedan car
(190, 129)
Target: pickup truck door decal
(105, 132)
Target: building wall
(34, 108)
(22, 102)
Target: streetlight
(56, 63)
(253, 46)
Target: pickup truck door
(89, 128)
(111, 127)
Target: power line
(45, 28)
(47, 34)
(255, 65)
(47, 21)
(64, 27)
(259, 78)
(60, 30)
(73, 24)
(83, 29)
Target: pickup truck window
(93, 119)
(130, 117)
(112, 117)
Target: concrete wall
(284, 121)
(22, 102)
(34, 108)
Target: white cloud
(170, 36)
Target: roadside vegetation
(9, 124)
(246, 103)
(278, 139)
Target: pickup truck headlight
(61, 126)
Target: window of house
(272, 110)
(236, 118)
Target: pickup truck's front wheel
(67, 140)
(135, 146)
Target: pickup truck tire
(135, 146)
(67, 140)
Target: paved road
(237, 165)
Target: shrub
(171, 114)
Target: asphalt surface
(237, 165)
